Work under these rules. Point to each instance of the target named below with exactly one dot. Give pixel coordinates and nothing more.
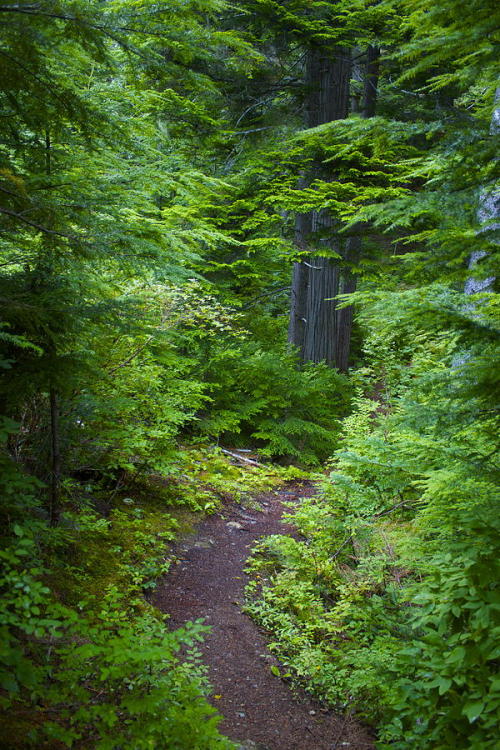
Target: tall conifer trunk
(352, 249)
(300, 285)
(313, 319)
(55, 479)
(55, 448)
(488, 215)
(318, 328)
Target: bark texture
(371, 81)
(313, 319)
(55, 478)
(488, 215)
(318, 328)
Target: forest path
(260, 711)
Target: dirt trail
(260, 711)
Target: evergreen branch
(35, 225)
(14, 261)
(34, 11)
(132, 356)
(253, 130)
(44, 83)
(10, 192)
(266, 294)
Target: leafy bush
(106, 678)
(447, 690)
(84, 660)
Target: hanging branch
(266, 294)
(375, 515)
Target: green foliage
(102, 222)
(107, 676)
(261, 394)
(84, 659)
(202, 478)
(150, 161)
(450, 679)
(369, 605)
(389, 598)
(455, 44)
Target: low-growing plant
(85, 661)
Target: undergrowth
(85, 660)
(386, 600)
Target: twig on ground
(241, 458)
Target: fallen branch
(241, 458)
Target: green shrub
(84, 660)
(390, 599)
(262, 397)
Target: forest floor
(261, 711)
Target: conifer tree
(309, 47)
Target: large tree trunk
(371, 81)
(300, 284)
(352, 250)
(488, 215)
(55, 445)
(316, 279)
(345, 315)
(55, 474)
(318, 328)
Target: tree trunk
(300, 284)
(55, 474)
(316, 280)
(488, 215)
(346, 314)
(318, 328)
(55, 445)
(371, 81)
(352, 251)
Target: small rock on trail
(260, 711)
